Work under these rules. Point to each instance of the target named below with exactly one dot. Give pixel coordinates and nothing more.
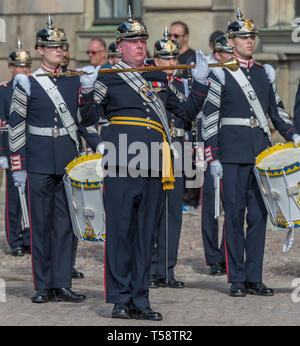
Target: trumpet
(232, 64)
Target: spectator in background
(97, 52)
(179, 32)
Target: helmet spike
(129, 14)
(19, 44)
(239, 14)
(49, 22)
(166, 33)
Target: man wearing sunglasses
(179, 32)
(97, 52)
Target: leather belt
(48, 131)
(252, 122)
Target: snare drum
(277, 172)
(84, 188)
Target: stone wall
(274, 46)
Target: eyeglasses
(176, 35)
(93, 52)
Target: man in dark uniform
(90, 135)
(236, 132)
(18, 237)
(136, 111)
(44, 118)
(297, 109)
(166, 52)
(214, 254)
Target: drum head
(86, 171)
(278, 158)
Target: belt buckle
(253, 122)
(55, 132)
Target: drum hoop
(78, 183)
(296, 224)
(276, 171)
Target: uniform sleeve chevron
(211, 110)
(17, 137)
(281, 111)
(19, 102)
(99, 91)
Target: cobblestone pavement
(204, 301)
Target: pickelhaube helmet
(221, 45)
(51, 36)
(241, 27)
(166, 48)
(113, 51)
(20, 57)
(131, 29)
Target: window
(115, 11)
(297, 8)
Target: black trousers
(51, 232)
(244, 249)
(15, 235)
(158, 267)
(131, 206)
(209, 225)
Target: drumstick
(217, 199)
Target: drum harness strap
(68, 122)
(167, 169)
(254, 102)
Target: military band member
(17, 237)
(134, 190)
(166, 52)
(238, 131)
(43, 140)
(113, 54)
(86, 135)
(214, 254)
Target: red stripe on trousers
(29, 212)
(224, 231)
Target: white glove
(88, 80)
(100, 148)
(20, 178)
(3, 162)
(296, 140)
(201, 71)
(216, 171)
(24, 82)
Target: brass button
(148, 118)
(56, 119)
(249, 77)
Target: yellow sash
(168, 179)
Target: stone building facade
(84, 19)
